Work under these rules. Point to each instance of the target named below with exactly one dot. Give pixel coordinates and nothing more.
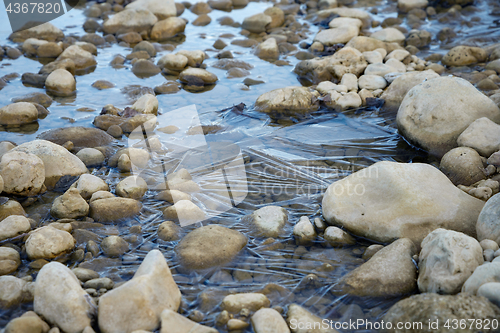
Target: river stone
(9, 208)
(143, 68)
(447, 260)
(379, 69)
(146, 104)
(209, 246)
(31, 45)
(418, 199)
(133, 187)
(389, 35)
(394, 94)
(169, 231)
(80, 136)
(13, 291)
(441, 308)
(372, 82)
(173, 62)
(13, 225)
(46, 31)
(345, 21)
(364, 44)
(405, 6)
(60, 299)
(463, 166)
(487, 272)
(160, 8)
(114, 209)
(301, 320)
(390, 272)
(168, 28)
(48, 242)
(432, 116)
(491, 291)
(138, 303)
(339, 35)
(251, 301)
(267, 221)
(487, 223)
(114, 246)
(9, 260)
(18, 114)
(185, 211)
(129, 20)
(60, 83)
(269, 321)
(483, 135)
(303, 231)
(70, 205)
(35, 97)
(256, 23)
(140, 157)
(289, 99)
(464, 56)
(346, 60)
(58, 161)
(197, 75)
(268, 49)
(338, 237)
(1, 181)
(88, 184)
(91, 157)
(81, 58)
(172, 196)
(195, 57)
(171, 319)
(22, 173)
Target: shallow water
(289, 162)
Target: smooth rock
(268, 221)
(256, 23)
(483, 135)
(57, 160)
(432, 116)
(304, 231)
(60, 299)
(209, 246)
(338, 237)
(46, 31)
(195, 75)
(48, 242)
(487, 272)
(339, 35)
(185, 211)
(146, 104)
(289, 99)
(13, 291)
(464, 56)
(405, 6)
(11, 207)
(463, 166)
(18, 114)
(447, 260)
(418, 199)
(129, 20)
(251, 301)
(70, 205)
(160, 8)
(13, 226)
(269, 321)
(61, 83)
(114, 246)
(90, 157)
(174, 62)
(169, 231)
(80, 136)
(139, 303)
(143, 68)
(167, 28)
(268, 49)
(82, 58)
(9, 260)
(172, 322)
(35, 97)
(390, 272)
(389, 35)
(487, 223)
(491, 291)
(372, 82)
(22, 173)
(133, 187)
(88, 184)
(114, 209)
(298, 317)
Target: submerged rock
(60, 299)
(209, 246)
(114, 209)
(139, 303)
(288, 100)
(251, 301)
(417, 199)
(434, 113)
(267, 221)
(389, 272)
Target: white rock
(60, 299)
(487, 223)
(70, 205)
(139, 303)
(18, 114)
(304, 231)
(268, 49)
(482, 135)
(398, 55)
(22, 173)
(58, 161)
(167, 28)
(48, 242)
(447, 260)
(417, 199)
(350, 81)
(251, 301)
(13, 291)
(325, 87)
(349, 100)
(61, 83)
(372, 82)
(406, 5)
(269, 321)
(9, 261)
(83, 59)
(434, 113)
(172, 322)
(161, 8)
(491, 291)
(389, 35)
(487, 272)
(185, 211)
(488, 244)
(90, 157)
(339, 35)
(373, 57)
(397, 65)
(133, 187)
(130, 20)
(89, 184)
(338, 237)
(13, 225)
(268, 221)
(298, 317)
(174, 62)
(345, 21)
(379, 69)
(146, 104)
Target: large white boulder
(434, 113)
(417, 199)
